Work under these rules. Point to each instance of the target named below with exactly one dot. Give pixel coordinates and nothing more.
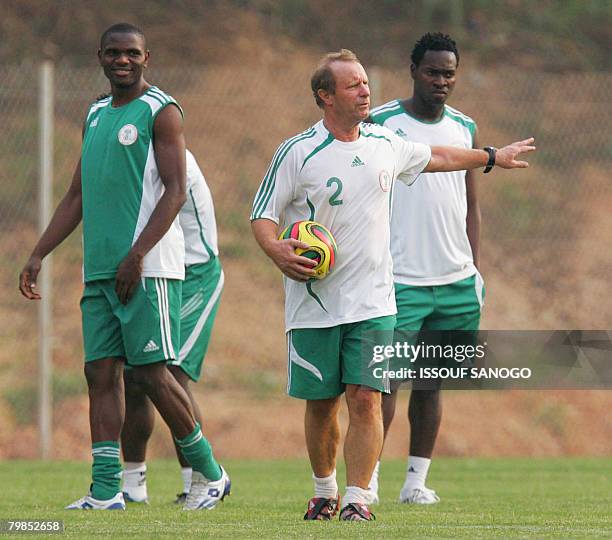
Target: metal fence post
(45, 341)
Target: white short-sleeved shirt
(197, 217)
(348, 187)
(429, 241)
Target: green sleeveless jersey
(121, 188)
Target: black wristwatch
(491, 151)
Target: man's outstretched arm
(450, 158)
(169, 146)
(65, 219)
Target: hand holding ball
(322, 245)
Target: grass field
(494, 498)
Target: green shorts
(444, 315)
(201, 294)
(144, 331)
(455, 306)
(322, 361)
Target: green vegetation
(552, 34)
(553, 498)
(556, 35)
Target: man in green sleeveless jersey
(435, 230)
(341, 172)
(128, 188)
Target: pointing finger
(531, 140)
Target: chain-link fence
(546, 230)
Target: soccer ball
(321, 241)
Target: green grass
(492, 498)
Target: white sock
(135, 479)
(186, 475)
(355, 494)
(326, 487)
(373, 486)
(416, 475)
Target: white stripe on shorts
(479, 286)
(299, 361)
(192, 304)
(167, 319)
(197, 330)
(160, 307)
(288, 361)
(188, 303)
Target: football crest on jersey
(384, 178)
(128, 134)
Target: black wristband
(490, 164)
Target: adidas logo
(151, 346)
(412, 469)
(357, 162)
(94, 123)
(400, 132)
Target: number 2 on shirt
(333, 200)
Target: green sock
(106, 470)
(198, 452)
